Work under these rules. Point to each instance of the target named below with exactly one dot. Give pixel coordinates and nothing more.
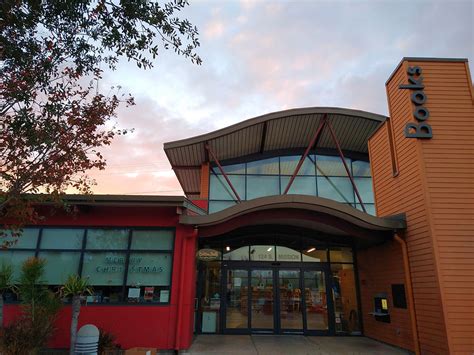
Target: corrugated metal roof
(290, 129)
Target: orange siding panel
(435, 188)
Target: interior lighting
(269, 249)
(310, 250)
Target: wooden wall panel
(447, 163)
(433, 187)
(379, 268)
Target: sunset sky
(266, 56)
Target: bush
(32, 329)
(26, 335)
(107, 344)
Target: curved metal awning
(284, 130)
(307, 212)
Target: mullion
(127, 261)
(81, 258)
(40, 236)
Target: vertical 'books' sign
(420, 128)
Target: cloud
(214, 30)
(261, 57)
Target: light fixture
(227, 248)
(310, 250)
(269, 249)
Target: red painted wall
(165, 326)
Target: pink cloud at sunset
(265, 56)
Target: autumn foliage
(53, 117)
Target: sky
(266, 56)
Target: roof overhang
(123, 200)
(289, 130)
(306, 212)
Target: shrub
(32, 329)
(107, 344)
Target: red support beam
(213, 156)
(341, 155)
(303, 157)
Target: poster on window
(133, 292)
(164, 296)
(148, 296)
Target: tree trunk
(76, 308)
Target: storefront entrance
(276, 299)
(282, 286)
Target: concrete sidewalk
(288, 344)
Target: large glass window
(221, 189)
(15, 258)
(319, 175)
(288, 165)
(302, 185)
(331, 166)
(28, 240)
(122, 265)
(107, 239)
(104, 268)
(336, 188)
(59, 265)
(264, 167)
(61, 238)
(152, 239)
(260, 186)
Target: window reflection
(302, 185)
(319, 175)
(331, 166)
(265, 167)
(260, 186)
(231, 169)
(360, 168)
(288, 165)
(364, 186)
(336, 188)
(220, 189)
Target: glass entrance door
(276, 300)
(236, 307)
(262, 295)
(315, 297)
(290, 300)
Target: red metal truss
(213, 156)
(303, 157)
(341, 155)
(325, 122)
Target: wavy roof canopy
(308, 212)
(283, 130)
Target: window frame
(126, 251)
(313, 157)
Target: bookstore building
(315, 221)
